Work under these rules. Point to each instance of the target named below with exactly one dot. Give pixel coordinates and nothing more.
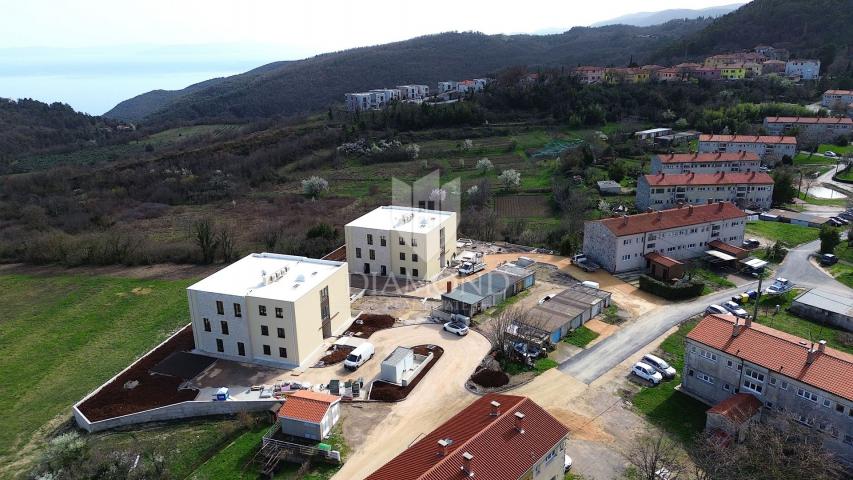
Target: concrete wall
(823, 316)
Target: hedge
(670, 292)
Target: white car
(735, 309)
(455, 327)
(829, 153)
(567, 463)
(545, 299)
(780, 286)
(647, 372)
(659, 364)
(715, 309)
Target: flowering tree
(314, 186)
(510, 178)
(484, 165)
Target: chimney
(737, 328)
(690, 210)
(449, 284)
(519, 422)
(659, 216)
(747, 322)
(811, 354)
(720, 206)
(466, 464)
(443, 445)
(680, 204)
(624, 219)
(710, 201)
(496, 408)
(821, 346)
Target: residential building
(710, 74)
(401, 241)
(589, 74)
(471, 298)
(619, 244)
(837, 99)
(652, 133)
(792, 377)
(413, 92)
(270, 309)
(734, 71)
(809, 129)
(470, 86)
(356, 102)
(308, 414)
(752, 69)
(825, 307)
(626, 75)
(803, 69)
(447, 87)
(677, 138)
(771, 53)
(609, 187)
(765, 146)
(705, 162)
(772, 66)
(752, 190)
(497, 437)
(668, 75)
(727, 59)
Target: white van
(357, 357)
(590, 284)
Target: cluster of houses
(382, 97)
(838, 101)
(763, 60)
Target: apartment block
(810, 129)
(790, 376)
(837, 99)
(358, 102)
(705, 162)
(589, 74)
(447, 87)
(401, 241)
(659, 191)
(772, 66)
(270, 309)
(765, 146)
(668, 75)
(804, 69)
(620, 244)
(413, 92)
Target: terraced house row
(752, 190)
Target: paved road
(593, 362)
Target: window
(773, 381)
(265, 330)
(414, 257)
(706, 354)
(402, 255)
(280, 332)
(241, 349)
(827, 403)
(705, 378)
(414, 242)
(357, 252)
(206, 325)
(415, 272)
(372, 254)
(224, 326)
(262, 310)
(726, 387)
(784, 385)
(369, 239)
(238, 312)
(382, 241)
(402, 270)
(220, 347)
(402, 240)
(220, 307)
(754, 374)
(282, 352)
(279, 313)
(267, 350)
(753, 386)
(839, 408)
(801, 392)
(848, 439)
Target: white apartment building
(270, 309)
(590, 74)
(837, 99)
(660, 191)
(705, 162)
(805, 69)
(810, 129)
(413, 92)
(620, 244)
(765, 146)
(357, 102)
(447, 87)
(401, 241)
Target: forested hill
(311, 84)
(28, 126)
(808, 28)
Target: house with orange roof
(768, 147)
(662, 190)
(810, 129)
(791, 377)
(589, 74)
(705, 162)
(308, 414)
(837, 99)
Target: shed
(825, 307)
(311, 415)
(471, 298)
(652, 133)
(567, 311)
(609, 187)
(396, 364)
(662, 267)
(733, 414)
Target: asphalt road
(593, 362)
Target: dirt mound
(369, 323)
(490, 378)
(337, 356)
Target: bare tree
(270, 236)
(496, 330)
(206, 240)
(652, 452)
(227, 243)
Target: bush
(671, 292)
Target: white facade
(401, 241)
(803, 68)
(705, 163)
(413, 92)
(837, 99)
(746, 190)
(447, 87)
(810, 129)
(620, 244)
(652, 133)
(766, 147)
(357, 102)
(270, 309)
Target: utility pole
(757, 298)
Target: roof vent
(467, 469)
(443, 445)
(496, 408)
(519, 422)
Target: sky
(94, 53)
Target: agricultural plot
(522, 206)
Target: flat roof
(398, 355)
(828, 301)
(493, 282)
(565, 306)
(653, 130)
(291, 276)
(401, 219)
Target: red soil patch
(388, 392)
(152, 391)
(337, 356)
(490, 378)
(370, 324)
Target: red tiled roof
(747, 138)
(672, 218)
(810, 120)
(727, 248)
(773, 61)
(738, 408)
(661, 259)
(500, 451)
(722, 178)
(779, 352)
(838, 92)
(308, 406)
(589, 69)
(707, 157)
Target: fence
(296, 449)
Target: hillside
(308, 85)
(816, 28)
(645, 19)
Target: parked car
(715, 309)
(830, 154)
(751, 243)
(647, 373)
(842, 220)
(526, 350)
(359, 356)
(735, 309)
(469, 268)
(567, 463)
(660, 365)
(455, 327)
(584, 263)
(752, 294)
(545, 299)
(827, 259)
(846, 215)
(834, 222)
(779, 286)
(740, 298)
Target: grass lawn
(581, 337)
(667, 408)
(846, 174)
(843, 273)
(497, 309)
(63, 336)
(712, 281)
(786, 233)
(835, 148)
(806, 159)
(831, 202)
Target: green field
(808, 159)
(786, 233)
(63, 336)
(846, 175)
(835, 148)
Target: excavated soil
(388, 392)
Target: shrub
(314, 186)
(670, 292)
(484, 165)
